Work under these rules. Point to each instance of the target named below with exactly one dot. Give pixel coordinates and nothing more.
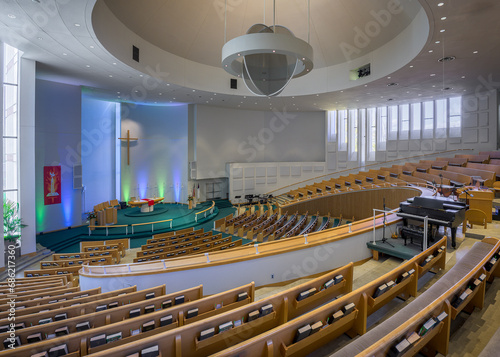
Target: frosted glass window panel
(455, 124)
(10, 164)
(11, 63)
(332, 126)
(428, 132)
(441, 114)
(393, 122)
(382, 128)
(416, 120)
(342, 118)
(372, 133)
(10, 110)
(11, 196)
(353, 137)
(404, 118)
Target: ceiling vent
(446, 59)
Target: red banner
(52, 184)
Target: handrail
(211, 209)
(107, 228)
(152, 224)
(367, 166)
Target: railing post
(305, 239)
(128, 266)
(106, 231)
(164, 265)
(256, 248)
(350, 227)
(104, 270)
(152, 227)
(126, 230)
(132, 229)
(208, 259)
(90, 231)
(171, 224)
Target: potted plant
(12, 224)
(91, 218)
(190, 201)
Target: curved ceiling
(194, 29)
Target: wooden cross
(128, 139)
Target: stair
(24, 262)
(222, 204)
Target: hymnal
(134, 313)
(61, 331)
(135, 332)
(179, 299)
(225, 326)
(441, 316)
(427, 326)
(302, 333)
(253, 315)
(266, 309)
(100, 308)
(113, 304)
(152, 351)
(390, 284)
(414, 337)
(148, 309)
(316, 327)
(192, 313)
(57, 351)
(148, 326)
(328, 284)
(411, 271)
(347, 309)
(207, 333)
(242, 296)
(50, 336)
(45, 321)
(60, 317)
(482, 277)
(339, 278)
(97, 340)
(380, 290)
(402, 277)
(337, 316)
(312, 291)
(150, 296)
(238, 322)
(20, 326)
(4, 328)
(398, 349)
(41, 354)
(166, 303)
(303, 295)
(36, 337)
(113, 337)
(82, 326)
(166, 320)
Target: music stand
(384, 239)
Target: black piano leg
(453, 237)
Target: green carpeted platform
(398, 248)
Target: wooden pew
(37, 280)
(39, 290)
(43, 294)
(184, 341)
(455, 178)
(260, 227)
(43, 301)
(54, 271)
(88, 247)
(186, 231)
(438, 298)
(280, 340)
(149, 249)
(489, 177)
(453, 161)
(79, 342)
(111, 315)
(480, 159)
(293, 231)
(249, 225)
(437, 165)
(486, 167)
(63, 263)
(66, 300)
(491, 154)
(85, 308)
(114, 253)
(20, 290)
(430, 178)
(272, 228)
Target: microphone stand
(384, 239)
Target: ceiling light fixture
(267, 57)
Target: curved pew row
(285, 340)
(189, 341)
(156, 318)
(106, 313)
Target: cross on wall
(128, 139)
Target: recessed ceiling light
(110, 76)
(64, 54)
(160, 93)
(87, 65)
(443, 18)
(437, 42)
(114, 63)
(430, 51)
(441, 4)
(388, 77)
(91, 46)
(40, 38)
(433, 74)
(317, 95)
(463, 77)
(118, 92)
(341, 91)
(442, 30)
(366, 85)
(77, 25)
(168, 84)
(12, 16)
(433, 86)
(474, 52)
(194, 90)
(411, 66)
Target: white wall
(98, 151)
(58, 142)
(233, 135)
(159, 159)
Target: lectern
(479, 199)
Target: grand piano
(441, 211)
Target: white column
(2, 245)
(27, 154)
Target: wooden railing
(204, 212)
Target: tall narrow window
(10, 124)
(353, 140)
(404, 121)
(416, 120)
(372, 133)
(441, 118)
(393, 122)
(342, 117)
(382, 128)
(428, 132)
(455, 117)
(332, 126)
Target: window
(393, 122)
(404, 121)
(428, 132)
(372, 133)
(353, 139)
(382, 128)
(10, 120)
(416, 120)
(455, 117)
(342, 117)
(332, 126)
